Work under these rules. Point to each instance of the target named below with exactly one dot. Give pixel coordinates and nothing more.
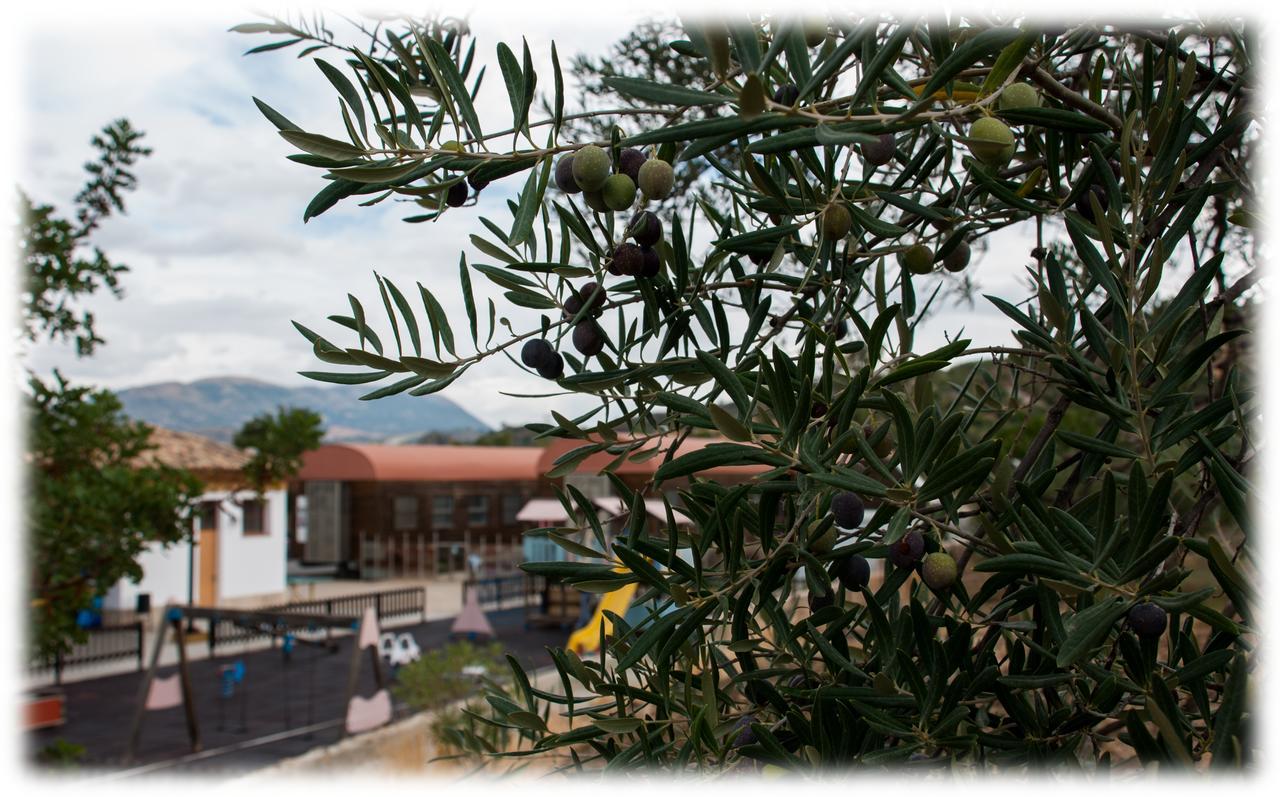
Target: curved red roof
(420, 463)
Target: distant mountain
(218, 407)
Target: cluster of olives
(588, 336)
(539, 355)
(938, 569)
(990, 140)
(639, 259)
(591, 172)
(853, 571)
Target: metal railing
(108, 643)
(385, 604)
(514, 589)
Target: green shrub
(438, 677)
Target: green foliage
(1099, 462)
(62, 754)
(437, 679)
(50, 248)
(93, 505)
(277, 443)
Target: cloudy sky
(220, 259)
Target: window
(405, 512)
(442, 512)
(300, 518)
(255, 517)
(511, 504)
(207, 516)
(478, 510)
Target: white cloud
(220, 258)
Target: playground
(281, 704)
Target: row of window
(406, 511)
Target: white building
(238, 554)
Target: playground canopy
(550, 510)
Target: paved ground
(282, 711)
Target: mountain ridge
(217, 406)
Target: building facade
(236, 552)
(380, 511)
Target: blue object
(88, 619)
(237, 670)
(173, 615)
(287, 646)
(228, 680)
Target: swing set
(168, 692)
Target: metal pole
(188, 703)
(143, 688)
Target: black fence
(108, 643)
(514, 590)
(386, 604)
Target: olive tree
(1060, 525)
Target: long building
(377, 511)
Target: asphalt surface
(281, 709)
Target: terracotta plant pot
(43, 708)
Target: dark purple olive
(572, 306)
(819, 602)
(536, 353)
(786, 94)
(847, 509)
(1148, 620)
(593, 296)
(457, 195)
(564, 175)
(881, 152)
(627, 260)
(854, 572)
(629, 162)
(1085, 208)
(907, 551)
(588, 338)
(645, 228)
(553, 368)
(651, 262)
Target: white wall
(252, 564)
(248, 565)
(164, 575)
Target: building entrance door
(208, 567)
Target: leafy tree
(277, 443)
(93, 504)
(1075, 594)
(51, 249)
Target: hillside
(217, 407)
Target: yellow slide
(587, 638)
